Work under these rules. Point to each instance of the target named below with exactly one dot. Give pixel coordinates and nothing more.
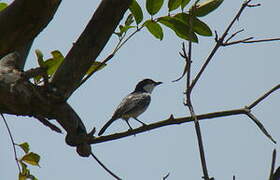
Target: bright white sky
(236, 77)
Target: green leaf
(94, 66)
(22, 176)
(136, 11)
(129, 20)
(24, 169)
(184, 3)
(52, 64)
(198, 26)
(32, 177)
(154, 28)
(31, 158)
(24, 146)
(3, 6)
(181, 29)
(206, 7)
(124, 29)
(173, 4)
(153, 6)
(39, 55)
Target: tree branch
(89, 45)
(172, 121)
(220, 41)
(21, 22)
(272, 165)
(260, 99)
(105, 168)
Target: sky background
(236, 77)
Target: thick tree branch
(21, 22)
(20, 97)
(89, 45)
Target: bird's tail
(103, 129)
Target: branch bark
(89, 45)
(21, 22)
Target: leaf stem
(12, 140)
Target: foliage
(185, 24)
(29, 158)
(52, 64)
(3, 6)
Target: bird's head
(146, 85)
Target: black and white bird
(133, 104)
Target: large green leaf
(184, 3)
(154, 28)
(181, 29)
(31, 158)
(198, 26)
(206, 7)
(3, 6)
(153, 6)
(136, 11)
(173, 4)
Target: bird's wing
(131, 104)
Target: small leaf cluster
(29, 158)
(185, 24)
(3, 6)
(52, 64)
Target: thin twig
(128, 38)
(184, 55)
(233, 35)
(262, 40)
(264, 96)
(163, 123)
(13, 142)
(104, 167)
(166, 176)
(96, 69)
(272, 164)
(219, 43)
(237, 42)
(172, 121)
(116, 49)
(261, 127)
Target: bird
(133, 104)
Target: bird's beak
(158, 83)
